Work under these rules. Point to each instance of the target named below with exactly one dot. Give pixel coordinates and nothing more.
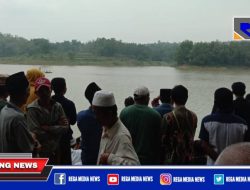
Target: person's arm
(125, 154)
(33, 123)
(158, 148)
(205, 145)
(62, 124)
(59, 128)
(73, 114)
(165, 137)
(41, 130)
(22, 135)
(155, 102)
(209, 150)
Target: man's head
(43, 88)
(129, 101)
(17, 86)
(58, 85)
(165, 95)
(223, 99)
(105, 108)
(239, 89)
(236, 154)
(90, 91)
(141, 95)
(3, 89)
(179, 95)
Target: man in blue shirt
(165, 97)
(91, 130)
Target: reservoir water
(201, 82)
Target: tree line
(184, 53)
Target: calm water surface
(201, 83)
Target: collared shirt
(14, 134)
(221, 130)
(116, 140)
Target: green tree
(183, 52)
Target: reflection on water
(201, 83)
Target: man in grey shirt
(14, 134)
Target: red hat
(42, 81)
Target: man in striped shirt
(222, 128)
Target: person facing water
(90, 128)
(222, 128)
(179, 128)
(165, 98)
(129, 101)
(59, 87)
(144, 125)
(15, 136)
(241, 105)
(32, 75)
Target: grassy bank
(105, 61)
(212, 68)
(97, 61)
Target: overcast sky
(140, 21)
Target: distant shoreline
(95, 61)
(109, 62)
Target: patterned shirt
(178, 136)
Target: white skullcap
(103, 98)
(141, 91)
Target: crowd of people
(34, 121)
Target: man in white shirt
(116, 144)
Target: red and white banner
(22, 165)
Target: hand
(155, 101)
(63, 121)
(33, 135)
(104, 158)
(36, 142)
